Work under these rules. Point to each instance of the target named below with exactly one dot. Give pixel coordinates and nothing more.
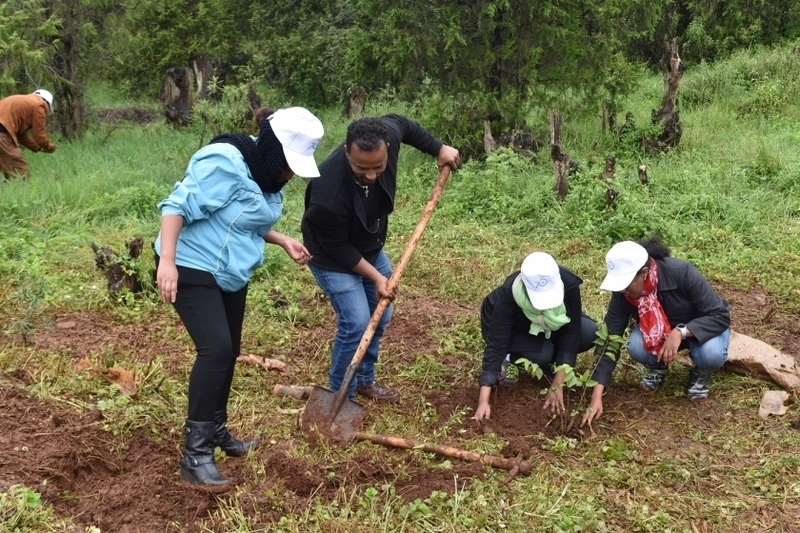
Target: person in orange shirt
(19, 114)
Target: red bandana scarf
(652, 319)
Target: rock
(772, 403)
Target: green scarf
(545, 321)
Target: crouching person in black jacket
(674, 307)
(536, 314)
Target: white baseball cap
(623, 261)
(47, 98)
(299, 132)
(542, 280)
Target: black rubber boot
(222, 437)
(197, 465)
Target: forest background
(725, 198)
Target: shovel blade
(321, 417)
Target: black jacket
(687, 298)
(335, 225)
(500, 316)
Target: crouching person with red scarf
(674, 307)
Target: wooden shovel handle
(448, 451)
(366, 339)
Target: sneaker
(655, 378)
(378, 393)
(505, 377)
(698, 385)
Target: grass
(727, 199)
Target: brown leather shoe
(378, 393)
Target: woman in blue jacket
(213, 228)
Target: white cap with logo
(623, 261)
(299, 132)
(542, 279)
(45, 94)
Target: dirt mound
(79, 468)
(131, 484)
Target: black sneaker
(655, 378)
(698, 385)
(508, 373)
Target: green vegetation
(727, 199)
(485, 60)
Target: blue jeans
(354, 300)
(708, 356)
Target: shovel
(332, 414)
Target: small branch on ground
(263, 362)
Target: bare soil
(134, 486)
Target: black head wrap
(264, 157)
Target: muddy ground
(67, 456)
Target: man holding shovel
(344, 228)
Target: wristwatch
(683, 329)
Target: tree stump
(610, 170)
(205, 71)
(559, 158)
(522, 140)
(489, 144)
(177, 96)
(354, 102)
(609, 111)
(611, 198)
(642, 174)
(117, 269)
(667, 116)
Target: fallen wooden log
(523, 467)
(747, 355)
(263, 362)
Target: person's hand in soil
(669, 351)
(595, 406)
(554, 401)
(484, 411)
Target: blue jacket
(225, 214)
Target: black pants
(538, 349)
(214, 321)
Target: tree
(146, 37)
(27, 32)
